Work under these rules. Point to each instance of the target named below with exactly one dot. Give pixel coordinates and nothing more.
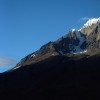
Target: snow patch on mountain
(80, 52)
(16, 67)
(33, 55)
(91, 22)
(73, 30)
(81, 38)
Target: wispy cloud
(84, 19)
(6, 63)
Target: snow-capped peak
(91, 22)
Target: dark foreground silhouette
(56, 78)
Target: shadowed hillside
(56, 78)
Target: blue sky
(25, 25)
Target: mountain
(84, 40)
(66, 69)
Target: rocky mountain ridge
(82, 41)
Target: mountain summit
(91, 21)
(82, 41)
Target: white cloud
(84, 19)
(6, 63)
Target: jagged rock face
(92, 36)
(72, 42)
(75, 42)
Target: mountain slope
(84, 40)
(58, 77)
